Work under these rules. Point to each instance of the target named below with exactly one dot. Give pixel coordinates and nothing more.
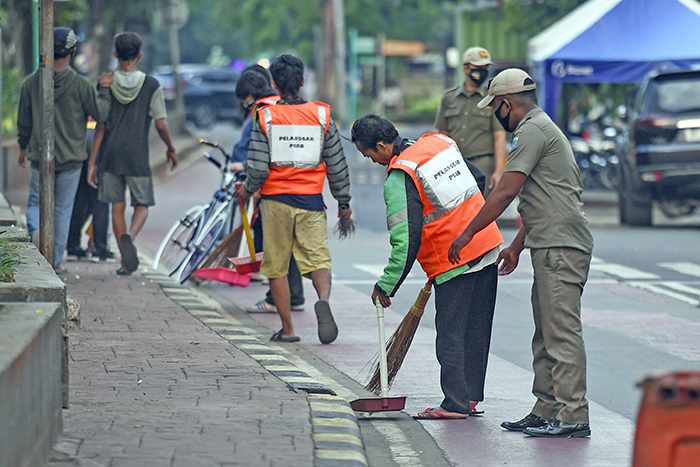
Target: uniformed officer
(477, 132)
(542, 169)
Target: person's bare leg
(280, 292)
(138, 219)
(321, 279)
(119, 223)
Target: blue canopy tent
(614, 41)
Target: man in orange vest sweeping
(294, 147)
(431, 192)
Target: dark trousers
(296, 287)
(463, 320)
(86, 203)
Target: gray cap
(510, 81)
(477, 56)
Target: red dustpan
(246, 265)
(226, 275)
(383, 403)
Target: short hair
(372, 129)
(127, 45)
(260, 70)
(288, 73)
(522, 97)
(254, 84)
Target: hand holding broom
(346, 225)
(398, 344)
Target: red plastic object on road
(244, 265)
(226, 275)
(668, 424)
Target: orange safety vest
(263, 102)
(451, 199)
(295, 135)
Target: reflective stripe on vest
(451, 198)
(295, 135)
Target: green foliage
(11, 85)
(420, 109)
(9, 258)
(532, 16)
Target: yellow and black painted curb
(336, 432)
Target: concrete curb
(336, 432)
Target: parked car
(209, 92)
(661, 148)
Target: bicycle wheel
(176, 245)
(202, 244)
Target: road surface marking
(681, 287)
(691, 269)
(660, 290)
(621, 271)
(401, 451)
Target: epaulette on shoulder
(451, 90)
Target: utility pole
(175, 15)
(46, 178)
(341, 102)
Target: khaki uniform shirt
(550, 199)
(471, 127)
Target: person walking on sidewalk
(480, 137)
(120, 152)
(87, 204)
(75, 99)
(294, 146)
(254, 89)
(430, 192)
(542, 169)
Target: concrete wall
(31, 350)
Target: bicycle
(190, 239)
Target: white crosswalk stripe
(690, 269)
(657, 288)
(623, 272)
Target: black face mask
(505, 121)
(478, 75)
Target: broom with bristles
(398, 344)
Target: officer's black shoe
(531, 420)
(559, 429)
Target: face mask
(505, 121)
(478, 75)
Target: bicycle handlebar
(216, 145)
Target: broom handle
(383, 376)
(248, 234)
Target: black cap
(63, 39)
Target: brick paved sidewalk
(150, 385)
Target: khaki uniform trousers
(559, 354)
(487, 166)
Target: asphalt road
(640, 313)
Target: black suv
(209, 92)
(661, 157)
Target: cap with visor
(477, 56)
(510, 81)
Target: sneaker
(75, 253)
(103, 255)
(264, 307)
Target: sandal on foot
(123, 272)
(327, 329)
(278, 337)
(435, 414)
(130, 258)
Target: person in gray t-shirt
(542, 170)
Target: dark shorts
(112, 189)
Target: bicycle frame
(211, 220)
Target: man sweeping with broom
(431, 193)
